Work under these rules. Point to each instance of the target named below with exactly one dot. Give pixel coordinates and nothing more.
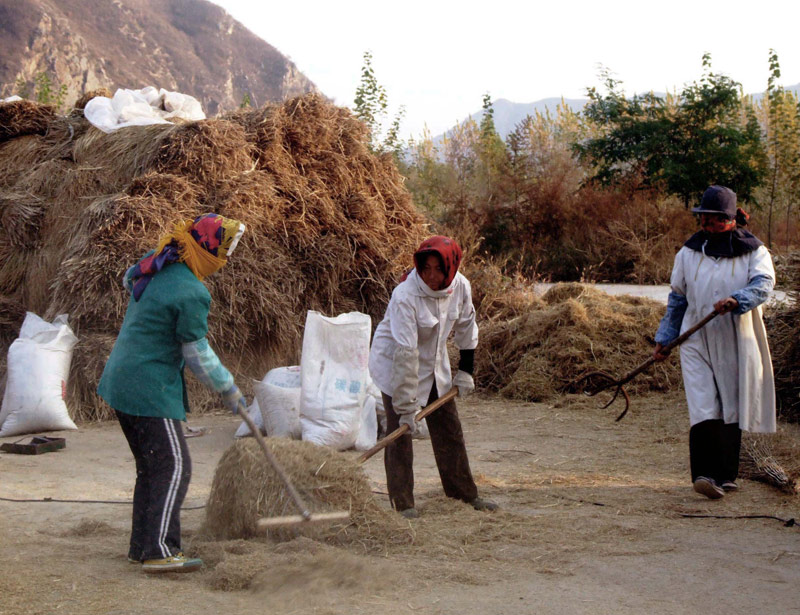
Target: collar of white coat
(423, 290)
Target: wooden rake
(384, 442)
(593, 382)
(305, 515)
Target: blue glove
(234, 400)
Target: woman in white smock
(408, 362)
(726, 365)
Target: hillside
(191, 46)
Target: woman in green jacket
(164, 329)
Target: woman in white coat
(408, 362)
(726, 365)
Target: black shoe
(484, 505)
(410, 513)
(729, 485)
(708, 487)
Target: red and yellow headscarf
(203, 244)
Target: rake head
(597, 381)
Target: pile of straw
(572, 329)
(24, 117)
(330, 225)
(246, 488)
(783, 329)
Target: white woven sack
(368, 431)
(280, 408)
(276, 413)
(254, 412)
(334, 377)
(36, 383)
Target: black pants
(449, 450)
(714, 450)
(163, 471)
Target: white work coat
(418, 317)
(726, 365)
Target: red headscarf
(448, 251)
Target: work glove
(234, 400)
(408, 419)
(464, 382)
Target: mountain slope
(190, 46)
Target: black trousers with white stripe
(163, 471)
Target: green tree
(782, 132)
(371, 105)
(703, 139)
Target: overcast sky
(438, 58)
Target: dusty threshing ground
(591, 523)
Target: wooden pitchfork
(384, 442)
(596, 381)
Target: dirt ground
(591, 522)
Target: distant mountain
(507, 114)
(190, 46)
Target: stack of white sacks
(329, 399)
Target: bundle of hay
(246, 488)
(771, 459)
(783, 328)
(24, 117)
(330, 225)
(574, 328)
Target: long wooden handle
(676, 342)
(383, 443)
(293, 494)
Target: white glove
(464, 382)
(408, 419)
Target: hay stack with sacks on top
(330, 225)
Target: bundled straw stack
(783, 328)
(330, 225)
(573, 328)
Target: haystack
(783, 328)
(24, 117)
(246, 488)
(330, 225)
(574, 328)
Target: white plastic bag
(254, 412)
(141, 108)
(368, 431)
(36, 383)
(334, 377)
(278, 397)
(276, 406)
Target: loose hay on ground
(245, 488)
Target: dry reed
(537, 354)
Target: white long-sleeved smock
(420, 318)
(726, 365)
